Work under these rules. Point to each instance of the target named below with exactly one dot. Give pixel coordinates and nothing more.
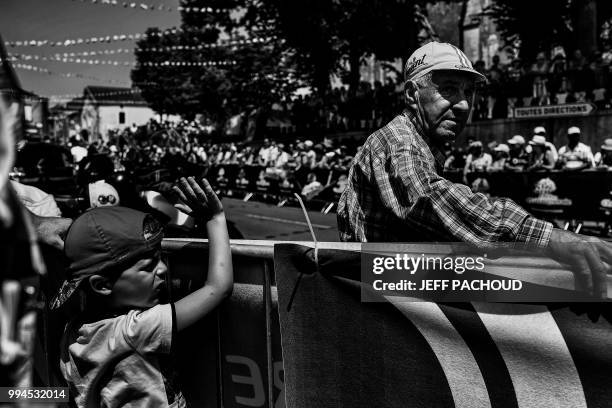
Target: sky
(59, 20)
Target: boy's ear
(100, 285)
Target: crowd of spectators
(555, 78)
(309, 167)
(301, 166)
(519, 154)
(552, 78)
(370, 106)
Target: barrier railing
(246, 348)
(233, 357)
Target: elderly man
(395, 191)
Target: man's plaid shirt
(395, 193)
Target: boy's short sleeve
(149, 331)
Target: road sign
(554, 111)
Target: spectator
(340, 184)
(539, 73)
(501, 154)
(519, 156)
(541, 131)
(477, 160)
(282, 157)
(541, 158)
(575, 155)
(241, 180)
(603, 158)
(456, 160)
(312, 187)
(263, 157)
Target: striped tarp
(340, 352)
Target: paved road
(264, 221)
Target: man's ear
(409, 92)
(100, 285)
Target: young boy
(115, 353)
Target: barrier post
(267, 292)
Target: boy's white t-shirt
(123, 356)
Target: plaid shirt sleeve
(410, 187)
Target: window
(121, 118)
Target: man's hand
(585, 256)
(51, 230)
(198, 200)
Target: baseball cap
(436, 56)
(103, 240)
(538, 130)
(517, 139)
(573, 130)
(538, 140)
(502, 147)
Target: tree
(254, 71)
(335, 36)
(519, 23)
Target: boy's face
(140, 285)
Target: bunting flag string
(222, 43)
(133, 37)
(92, 40)
(93, 53)
(190, 63)
(151, 7)
(42, 70)
(68, 97)
(28, 57)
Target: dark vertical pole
(267, 292)
(219, 362)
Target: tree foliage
(519, 22)
(307, 42)
(262, 72)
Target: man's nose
(463, 102)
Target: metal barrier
(245, 348)
(234, 358)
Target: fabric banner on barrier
(340, 352)
(243, 350)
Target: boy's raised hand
(198, 199)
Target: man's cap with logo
(103, 240)
(435, 56)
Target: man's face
(446, 105)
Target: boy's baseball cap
(103, 240)
(436, 56)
